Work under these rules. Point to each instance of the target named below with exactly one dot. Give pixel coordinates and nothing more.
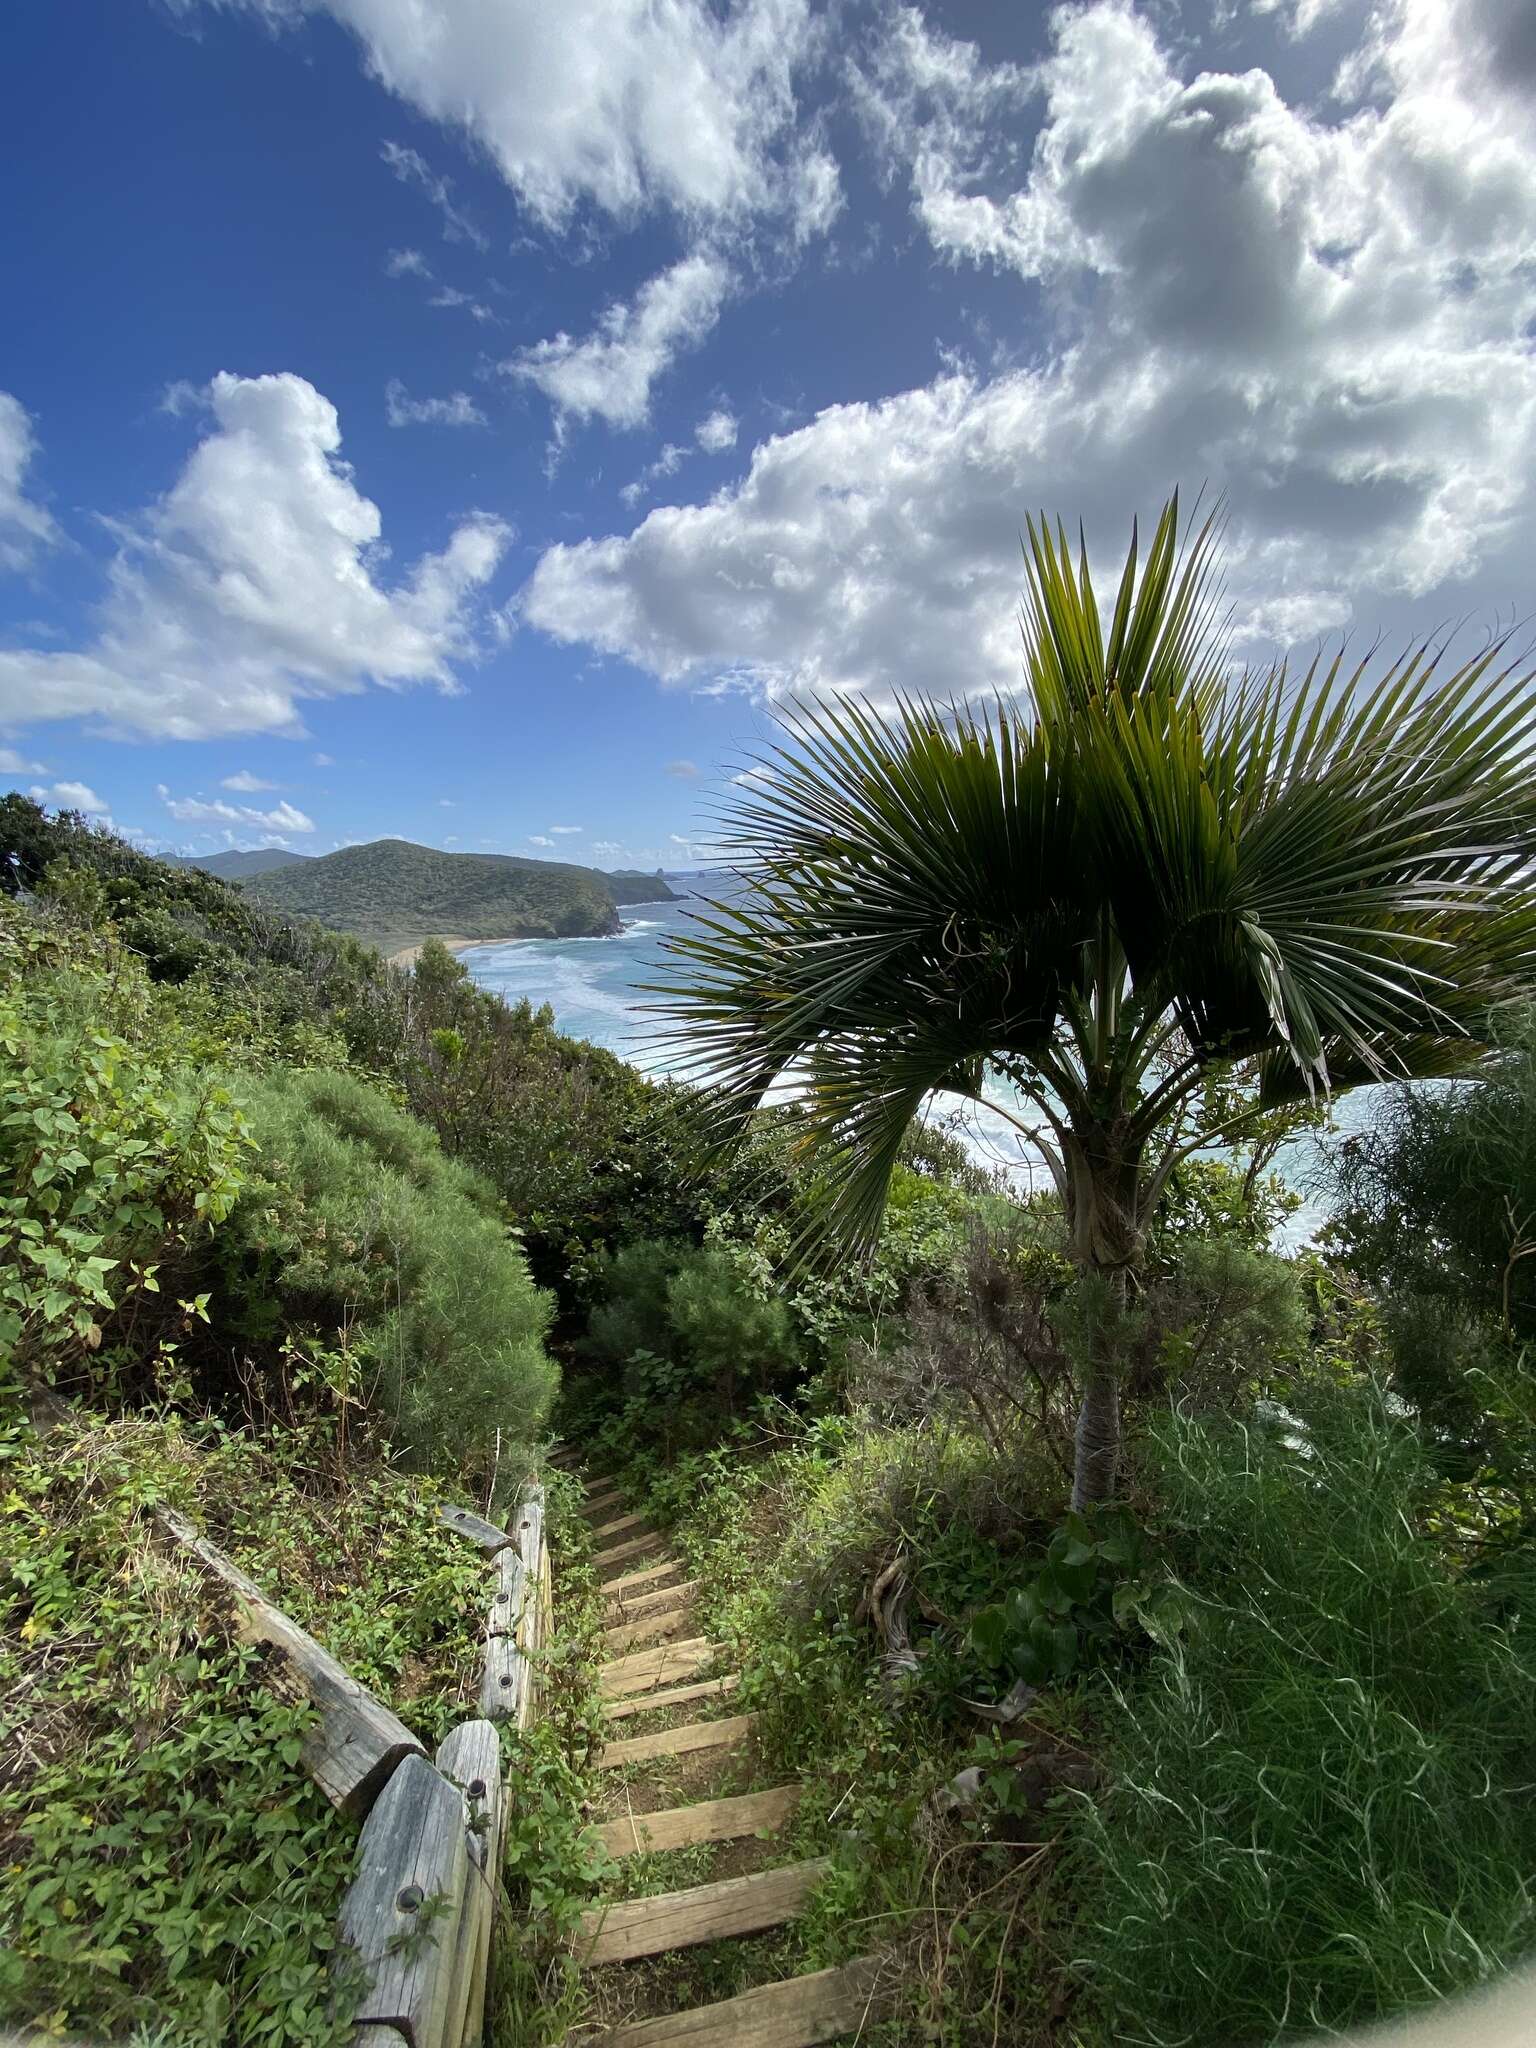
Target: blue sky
(469, 421)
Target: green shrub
(1319, 1803)
(681, 1321)
(359, 1225)
(1436, 1208)
(115, 1156)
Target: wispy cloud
(450, 296)
(25, 527)
(412, 168)
(245, 782)
(667, 463)
(458, 409)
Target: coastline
(406, 955)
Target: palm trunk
(1096, 1458)
(1103, 1211)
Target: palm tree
(1156, 896)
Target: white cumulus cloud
(25, 526)
(192, 810)
(620, 105)
(254, 583)
(717, 431)
(539, 839)
(72, 796)
(1321, 308)
(246, 783)
(609, 373)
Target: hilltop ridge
(395, 894)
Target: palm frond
(1330, 872)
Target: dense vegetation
(303, 1241)
(237, 865)
(395, 894)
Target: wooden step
(797, 2012)
(710, 1820)
(648, 1668)
(650, 1628)
(599, 1482)
(621, 1553)
(676, 1696)
(619, 1589)
(601, 1503)
(627, 1928)
(621, 1527)
(636, 1604)
(639, 1749)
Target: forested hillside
(394, 895)
(237, 866)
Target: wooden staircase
(657, 1661)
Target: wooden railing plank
(356, 1743)
(401, 1916)
(470, 1758)
(464, 1522)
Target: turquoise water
(593, 987)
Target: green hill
(234, 866)
(394, 895)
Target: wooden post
(470, 1757)
(403, 1915)
(354, 1748)
(515, 1626)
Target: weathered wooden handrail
(356, 1744)
(419, 1916)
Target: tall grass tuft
(1321, 1799)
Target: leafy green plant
(114, 1158)
(1089, 1590)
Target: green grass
(1319, 1807)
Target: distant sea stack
(395, 895)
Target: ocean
(594, 988)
